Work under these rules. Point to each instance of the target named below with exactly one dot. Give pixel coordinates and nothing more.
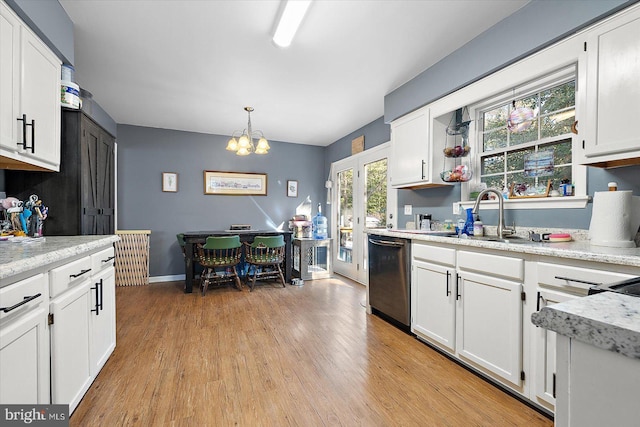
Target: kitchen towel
(615, 219)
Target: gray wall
(144, 153)
(536, 25)
(439, 202)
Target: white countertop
(607, 320)
(19, 256)
(577, 249)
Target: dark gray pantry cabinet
(81, 196)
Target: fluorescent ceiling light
(290, 20)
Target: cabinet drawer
(69, 275)
(434, 254)
(32, 289)
(575, 279)
(102, 260)
(494, 265)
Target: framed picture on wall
(235, 183)
(292, 188)
(170, 182)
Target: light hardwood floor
(299, 356)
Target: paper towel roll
(614, 216)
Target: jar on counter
(448, 225)
(478, 228)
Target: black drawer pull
(109, 259)
(80, 274)
(568, 279)
(23, 302)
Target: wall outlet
(456, 208)
(408, 209)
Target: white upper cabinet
(9, 75)
(412, 152)
(30, 98)
(611, 64)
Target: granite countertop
(19, 256)
(607, 320)
(580, 248)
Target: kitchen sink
(510, 239)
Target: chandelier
(244, 144)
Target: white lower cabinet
(433, 299)
(70, 367)
(83, 333)
(459, 305)
(102, 321)
(545, 350)
(490, 324)
(24, 342)
(558, 283)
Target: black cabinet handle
(568, 279)
(33, 137)
(96, 308)
(80, 274)
(101, 295)
(23, 302)
(538, 302)
(109, 259)
(457, 287)
(24, 131)
(448, 290)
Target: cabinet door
(545, 349)
(489, 331)
(410, 163)
(97, 179)
(9, 75)
(40, 99)
(613, 67)
(105, 183)
(70, 367)
(102, 303)
(24, 360)
(433, 303)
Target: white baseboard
(173, 278)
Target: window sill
(573, 202)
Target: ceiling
(194, 65)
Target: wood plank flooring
(298, 356)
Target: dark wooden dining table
(191, 238)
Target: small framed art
(292, 188)
(170, 182)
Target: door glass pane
(345, 215)
(376, 194)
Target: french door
(361, 199)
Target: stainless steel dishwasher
(390, 279)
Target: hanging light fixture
(244, 145)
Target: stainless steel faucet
(503, 230)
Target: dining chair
(219, 256)
(265, 255)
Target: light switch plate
(408, 209)
(456, 208)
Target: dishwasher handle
(387, 243)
